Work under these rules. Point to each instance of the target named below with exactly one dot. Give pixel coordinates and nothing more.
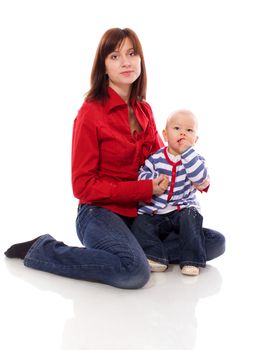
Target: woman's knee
(136, 276)
(214, 243)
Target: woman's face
(123, 66)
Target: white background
(209, 56)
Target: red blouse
(106, 156)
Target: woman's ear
(164, 134)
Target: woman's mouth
(126, 73)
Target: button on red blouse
(106, 156)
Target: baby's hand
(184, 145)
(164, 183)
(160, 184)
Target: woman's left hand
(203, 186)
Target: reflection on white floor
(223, 308)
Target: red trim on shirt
(174, 167)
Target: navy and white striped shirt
(180, 193)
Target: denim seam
(161, 260)
(36, 245)
(64, 267)
(193, 263)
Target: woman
(113, 134)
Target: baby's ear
(197, 137)
(164, 134)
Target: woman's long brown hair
(111, 40)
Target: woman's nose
(125, 61)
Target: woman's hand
(160, 184)
(204, 186)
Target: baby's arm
(196, 170)
(148, 172)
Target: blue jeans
(178, 238)
(111, 254)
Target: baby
(177, 208)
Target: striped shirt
(190, 168)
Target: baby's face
(180, 132)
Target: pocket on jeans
(84, 214)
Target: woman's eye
(132, 53)
(113, 57)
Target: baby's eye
(190, 130)
(176, 128)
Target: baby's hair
(183, 112)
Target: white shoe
(190, 270)
(156, 266)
